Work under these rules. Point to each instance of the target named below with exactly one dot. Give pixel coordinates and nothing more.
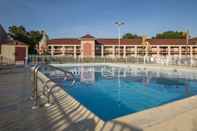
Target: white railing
(161, 60)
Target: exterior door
(87, 49)
(20, 53)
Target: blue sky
(74, 18)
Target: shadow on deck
(16, 112)
(67, 115)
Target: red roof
(64, 42)
(194, 38)
(122, 41)
(136, 41)
(193, 41)
(19, 42)
(167, 41)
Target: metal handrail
(46, 86)
(34, 79)
(35, 89)
(35, 96)
(49, 92)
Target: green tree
(130, 36)
(18, 33)
(34, 38)
(31, 38)
(171, 35)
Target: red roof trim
(167, 41)
(137, 41)
(122, 41)
(64, 42)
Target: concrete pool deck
(66, 114)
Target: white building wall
(8, 51)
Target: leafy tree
(29, 37)
(34, 37)
(171, 35)
(130, 36)
(18, 33)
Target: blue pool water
(111, 92)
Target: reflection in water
(87, 75)
(111, 92)
(172, 80)
(187, 89)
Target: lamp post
(119, 24)
(188, 49)
(187, 42)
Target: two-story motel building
(89, 46)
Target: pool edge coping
(152, 116)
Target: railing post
(36, 87)
(48, 97)
(35, 90)
(32, 97)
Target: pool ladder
(46, 89)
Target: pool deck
(16, 112)
(15, 106)
(66, 114)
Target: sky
(75, 18)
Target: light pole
(187, 42)
(188, 49)
(119, 24)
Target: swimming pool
(112, 92)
